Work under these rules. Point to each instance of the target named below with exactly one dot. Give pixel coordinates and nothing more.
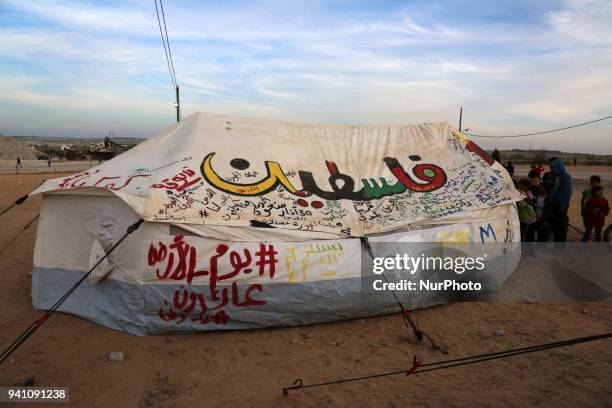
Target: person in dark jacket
(560, 199)
(548, 181)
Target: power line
(161, 4)
(543, 132)
(168, 53)
(166, 48)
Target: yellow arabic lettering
(275, 177)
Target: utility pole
(177, 105)
(460, 117)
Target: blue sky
(85, 68)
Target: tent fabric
(218, 170)
(253, 223)
(143, 288)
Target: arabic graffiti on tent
(209, 284)
(94, 178)
(210, 280)
(234, 191)
(292, 197)
(433, 176)
(86, 179)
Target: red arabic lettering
(178, 261)
(186, 258)
(112, 186)
(248, 300)
(180, 181)
(75, 178)
(186, 303)
(82, 179)
(434, 176)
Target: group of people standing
(543, 212)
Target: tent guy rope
(406, 317)
(20, 200)
(418, 367)
(19, 233)
(42, 318)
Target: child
(587, 193)
(542, 209)
(525, 187)
(536, 184)
(526, 213)
(595, 210)
(532, 172)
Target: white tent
(254, 223)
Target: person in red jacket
(595, 210)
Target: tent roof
(231, 171)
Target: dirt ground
(250, 368)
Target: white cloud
(300, 62)
(588, 22)
(86, 16)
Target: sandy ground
(249, 368)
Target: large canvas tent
(254, 223)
